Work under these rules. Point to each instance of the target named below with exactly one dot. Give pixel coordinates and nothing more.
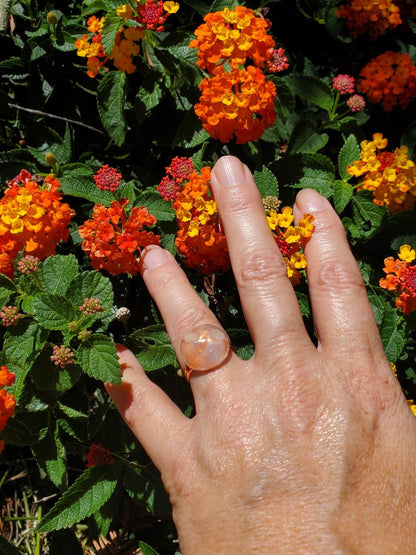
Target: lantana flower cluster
(373, 16)
(389, 80)
(391, 176)
(289, 238)
(32, 218)
(401, 278)
(345, 84)
(176, 174)
(199, 240)
(112, 238)
(7, 400)
(107, 179)
(98, 454)
(237, 99)
(135, 20)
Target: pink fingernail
(311, 201)
(229, 171)
(153, 257)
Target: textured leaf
(392, 334)
(155, 357)
(86, 495)
(349, 152)
(53, 312)
(91, 284)
(367, 215)
(304, 139)
(111, 98)
(342, 195)
(159, 208)
(98, 357)
(57, 273)
(23, 342)
(319, 180)
(51, 458)
(83, 186)
(266, 182)
(156, 334)
(112, 24)
(311, 89)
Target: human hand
(301, 449)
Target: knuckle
(189, 319)
(264, 265)
(335, 274)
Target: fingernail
(229, 171)
(153, 257)
(309, 200)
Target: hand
(301, 449)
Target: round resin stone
(205, 347)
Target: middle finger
(267, 296)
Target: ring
(204, 348)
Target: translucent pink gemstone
(205, 347)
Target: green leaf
(190, 132)
(111, 99)
(304, 139)
(53, 312)
(392, 334)
(159, 208)
(349, 152)
(7, 283)
(91, 284)
(7, 548)
(83, 186)
(319, 180)
(149, 94)
(51, 457)
(49, 377)
(155, 357)
(311, 89)
(112, 24)
(146, 549)
(342, 195)
(98, 357)
(147, 490)
(367, 215)
(57, 273)
(86, 495)
(149, 335)
(23, 342)
(266, 182)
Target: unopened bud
(84, 335)
(52, 19)
(50, 159)
(271, 203)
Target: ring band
(204, 348)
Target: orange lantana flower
(372, 16)
(200, 239)
(389, 80)
(113, 240)
(32, 218)
(290, 238)
(233, 36)
(401, 278)
(7, 400)
(237, 104)
(391, 176)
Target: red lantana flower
(113, 240)
(98, 454)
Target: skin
(303, 448)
